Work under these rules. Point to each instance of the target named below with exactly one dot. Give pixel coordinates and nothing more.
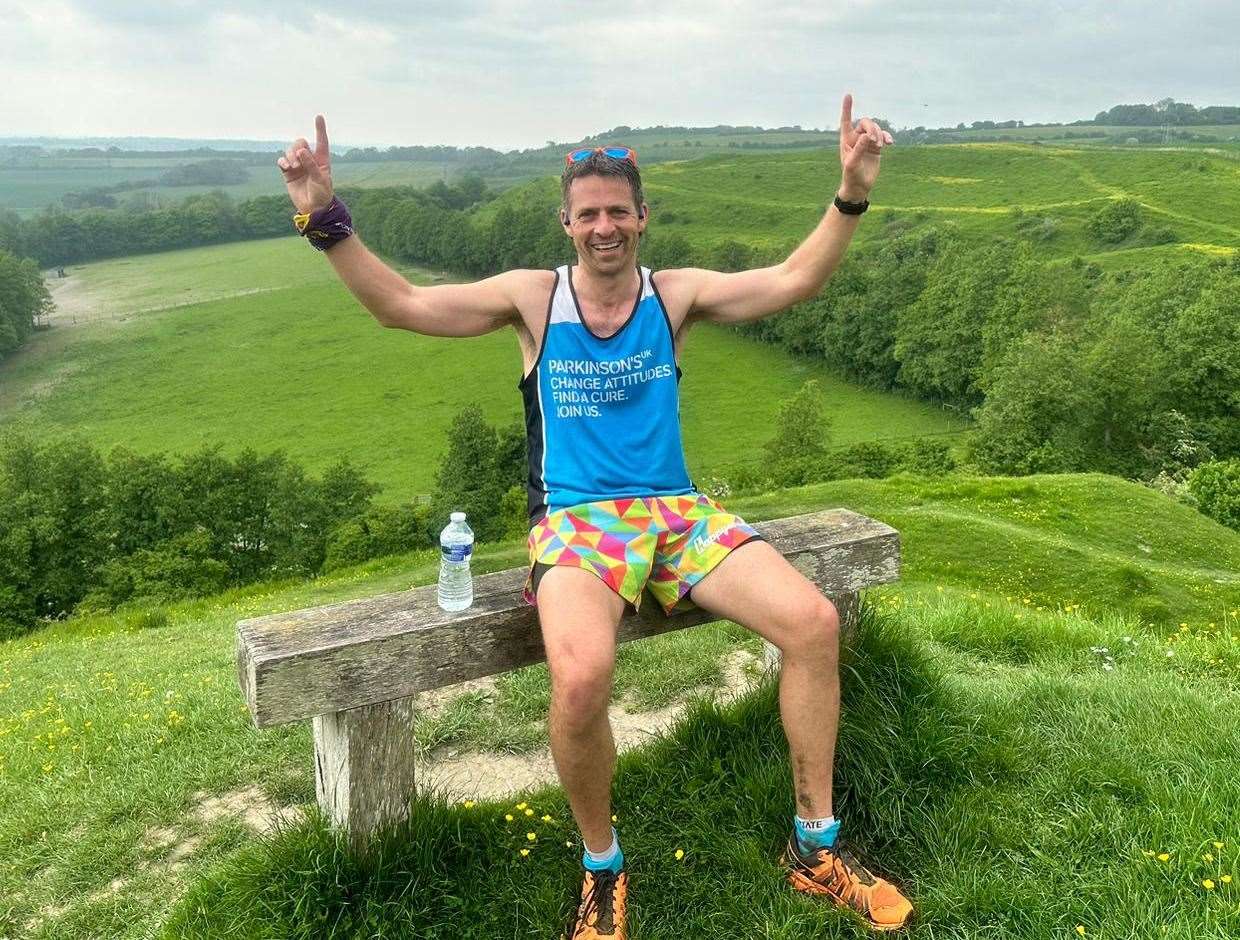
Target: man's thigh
(579, 616)
(758, 588)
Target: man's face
(603, 223)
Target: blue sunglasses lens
(616, 153)
(580, 154)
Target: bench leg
(847, 605)
(363, 766)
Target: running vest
(602, 413)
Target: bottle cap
(457, 517)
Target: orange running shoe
(604, 895)
(834, 872)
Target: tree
(802, 427)
(468, 479)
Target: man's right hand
(308, 176)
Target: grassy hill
(1041, 709)
(257, 344)
(986, 190)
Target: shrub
(1215, 487)
(1115, 221)
(928, 456)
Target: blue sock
(610, 860)
(814, 834)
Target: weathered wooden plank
(364, 766)
(326, 659)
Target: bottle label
(456, 553)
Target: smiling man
(613, 512)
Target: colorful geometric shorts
(664, 543)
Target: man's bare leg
(579, 615)
(758, 588)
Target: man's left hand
(860, 147)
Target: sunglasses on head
(616, 153)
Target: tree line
(85, 531)
(23, 299)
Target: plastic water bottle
(456, 545)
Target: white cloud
(518, 73)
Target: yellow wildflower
(468, 804)
(546, 817)
(507, 817)
(1080, 928)
(1208, 884)
(525, 852)
(1218, 845)
(532, 836)
(522, 805)
(1164, 857)
(529, 812)
(1208, 857)
(1226, 879)
(613, 819)
(680, 853)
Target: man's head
(603, 211)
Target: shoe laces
(849, 878)
(597, 903)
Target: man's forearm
(816, 258)
(376, 286)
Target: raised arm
(442, 310)
(751, 295)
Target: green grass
(988, 758)
(266, 349)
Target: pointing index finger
(321, 151)
(846, 124)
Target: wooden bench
(353, 667)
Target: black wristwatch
(851, 208)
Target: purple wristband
(327, 226)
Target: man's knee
(580, 692)
(815, 631)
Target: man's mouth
(606, 246)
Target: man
(613, 510)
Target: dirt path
(483, 775)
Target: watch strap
(851, 208)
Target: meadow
(1040, 732)
(257, 344)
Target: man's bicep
(741, 296)
(461, 309)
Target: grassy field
(1040, 731)
(258, 345)
(980, 188)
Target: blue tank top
(602, 413)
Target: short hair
(599, 164)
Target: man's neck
(608, 291)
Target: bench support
(364, 766)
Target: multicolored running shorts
(664, 543)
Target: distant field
(29, 183)
(300, 366)
(26, 189)
(1222, 132)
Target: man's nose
(604, 225)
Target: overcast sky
(519, 73)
